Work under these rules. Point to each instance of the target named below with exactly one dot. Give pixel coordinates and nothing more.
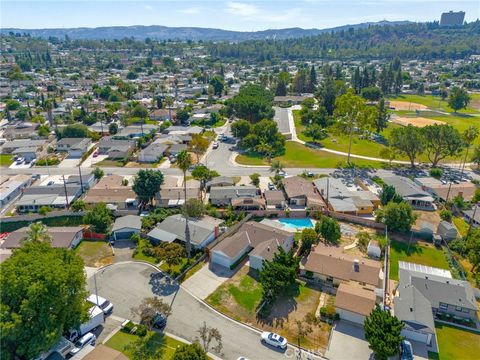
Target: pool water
(296, 223)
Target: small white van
(102, 303)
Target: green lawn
(420, 253)
(110, 163)
(461, 225)
(174, 269)
(6, 159)
(432, 102)
(142, 257)
(95, 253)
(456, 344)
(157, 341)
(299, 156)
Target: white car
(87, 339)
(273, 339)
(102, 303)
(215, 145)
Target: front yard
(240, 297)
(420, 253)
(95, 253)
(158, 342)
(456, 344)
(6, 159)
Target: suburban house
(175, 196)
(64, 237)
(116, 148)
(87, 179)
(162, 114)
(153, 152)
(447, 230)
(301, 192)
(258, 240)
(354, 303)
(472, 217)
(442, 190)
(274, 199)
(135, 131)
(75, 147)
(111, 191)
(125, 226)
(411, 192)
(340, 199)
(11, 187)
(24, 148)
(176, 149)
(248, 203)
(224, 195)
(331, 267)
(425, 293)
(220, 181)
(202, 231)
(54, 196)
(21, 130)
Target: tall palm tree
(184, 161)
(276, 167)
(37, 232)
(168, 104)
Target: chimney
(268, 248)
(356, 265)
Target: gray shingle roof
(127, 221)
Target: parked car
(271, 186)
(20, 161)
(215, 145)
(159, 321)
(407, 350)
(96, 318)
(102, 303)
(273, 339)
(282, 173)
(87, 339)
(95, 153)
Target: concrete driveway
(207, 279)
(347, 342)
(69, 162)
(126, 284)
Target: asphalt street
(126, 284)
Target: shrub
(128, 327)
(436, 173)
(44, 210)
(446, 215)
(141, 330)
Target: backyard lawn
(461, 225)
(456, 344)
(157, 341)
(300, 156)
(95, 253)
(6, 159)
(240, 296)
(420, 253)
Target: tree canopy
(253, 103)
(146, 184)
(99, 218)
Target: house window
(466, 311)
(458, 308)
(443, 306)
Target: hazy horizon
(226, 15)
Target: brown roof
(331, 261)
(103, 352)
(111, 195)
(108, 182)
(61, 236)
(248, 201)
(295, 186)
(251, 234)
(274, 196)
(177, 193)
(355, 299)
(466, 190)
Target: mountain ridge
(160, 32)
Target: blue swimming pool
(296, 223)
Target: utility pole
(448, 192)
(95, 281)
(328, 188)
(471, 222)
(65, 188)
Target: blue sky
(231, 15)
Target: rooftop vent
(356, 265)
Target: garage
(351, 316)
(221, 259)
(417, 336)
(125, 226)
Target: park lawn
(6, 159)
(167, 344)
(432, 102)
(300, 156)
(420, 253)
(454, 343)
(240, 297)
(95, 253)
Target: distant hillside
(158, 32)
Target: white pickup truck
(97, 318)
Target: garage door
(351, 316)
(123, 235)
(415, 336)
(220, 259)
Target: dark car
(407, 350)
(159, 321)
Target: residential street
(126, 284)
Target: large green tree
(99, 218)
(278, 274)
(146, 184)
(352, 115)
(253, 103)
(43, 295)
(397, 216)
(330, 230)
(203, 175)
(382, 331)
(408, 140)
(190, 352)
(441, 141)
(458, 99)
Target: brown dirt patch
(405, 105)
(415, 121)
(427, 216)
